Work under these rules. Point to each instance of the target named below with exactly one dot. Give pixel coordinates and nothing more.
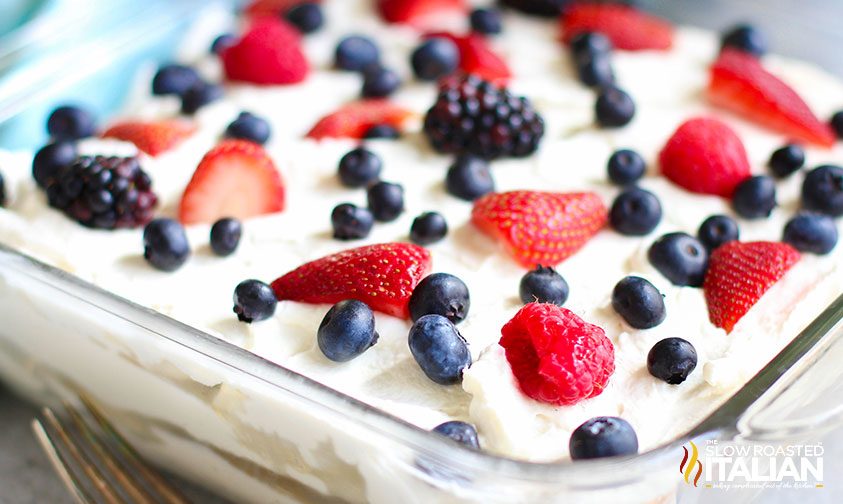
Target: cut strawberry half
(274, 8)
(420, 13)
(627, 27)
(152, 137)
(741, 84)
(477, 57)
(355, 119)
(383, 276)
(235, 179)
(268, 53)
(540, 228)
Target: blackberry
(546, 8)
(103, 192)
(477, 117)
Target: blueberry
(822, 190)
(2, 191)
(755, 197)
(307, 17)
(49, 159)
(439, 349)
(837, 123)
(435, 58)
(635, 212)
(386, 201)
(746, 38)
(70, 122)
(254, 301)
(174, 79)
(595, 70)
(717, 230)
(680, 257)
(222, 41)
(225, 236)
(460, 432)
(359, 168)
(427, 228)
(440, 294)
(355, 53)
(382, 131)
(638, 302)
(200, 95)
(626, 167)
(486, 21)
(808, 232)
(787, 160)
(587, 44)
(614, 108)
(603, 437)
(351, 222)
(469, 178)
(379, 82)
(347, 331)
(250, 127)
(672, 360)
(165, 244)
(543, 285)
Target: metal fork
(96, 463)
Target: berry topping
(235, 179)
(250, 127)
(746, 38)
(540, 227)
(173, 79)
(557, 358)
(717, 230)
(614, 108)
(837, 123)
(435, 58)
(347, 331)
(379, 82)
(50, 159)
(268, 53)
(595, 70)
(351, 222)
(586, 44)
(680, 257)
(2, 191)
(635, 212)
(486, 21)
(154, 137)
(628, 28)
(477, 57)
(254, 301)
(359, 168)
(419, 13)
(672, 360)
(739, 274)
(263, 8)
(222, 41)
(225, 236)
(755, 197)
(165, 244)
(355, 119)
(440, 294)
(439, 349)
(543, 285)
(786, 160)
(469, 178)
(822, 190)
(198, 96)
(70, 122)
(307, 17)
(477, 117)
(383, 276)
(603, 437)
(705, 156)
(460, 432)
(741, 84)
(428, 228)
(546, 8)
(384, 131)
(639, 302)
(626, 167)
(386, 200)
(356, 53)
(815, 233)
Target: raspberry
(556, 357)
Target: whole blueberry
(386, 200)
(680, 257)
(755, 197)
(379, 82)
(174, 79)
(614, 108)
(200, 95)
(351, 222)
(435, 58)
(486, 21)
(543, 285)
(639, 302)
(165, 244)
(439, 349)
(635, 212)
(225, 236)
(672, 360)
(307, 17)
(71, 122)
(2, 191)
(603, 437)
(223, 41)
(50, 159)
(787, 160)
(822, 190)
(595, 70)
(355, 53)
(250, 127)
(837, 123)
(809, 232)
(427, 228)
(717, 230)
(746, 38)
(359, 168)
(461, 432)
(254, 301)
(469, 178)
(347, 331)
(587, 44)
(626, 167)
(440, 294)
(386, 131)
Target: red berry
(739, 274)
(557, 357)
(477, 57)
(383, 276)
(628, 28)
(540, 227)
(259, 8)
(355, 119)
(705, 156)
(741, 84)
(419, 13)
(154, 137)
(268, 53)
(235, 179)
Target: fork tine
(59, 463)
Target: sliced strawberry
(354, 119)
(236, 179)
(705, 156)
(627, 27)
(741, 84)
(477, 57)
(540, 227)
(258, 8)
(268, 53)
(152, 137)
(383, 276)
(739, 274)
(419, 13)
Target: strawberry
(477, 57)
(627, 27)
(258, 8)
(705, 156)
(354, 119)
(152, 137)
(740, 83)
(739, 274)
(540, 227)
(235, 179)
(419, 13)
(268, 53)
(383, 276)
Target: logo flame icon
(687, 466)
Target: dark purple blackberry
(473, 116)
(103, 192)
(548, 8)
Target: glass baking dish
(254, 431)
